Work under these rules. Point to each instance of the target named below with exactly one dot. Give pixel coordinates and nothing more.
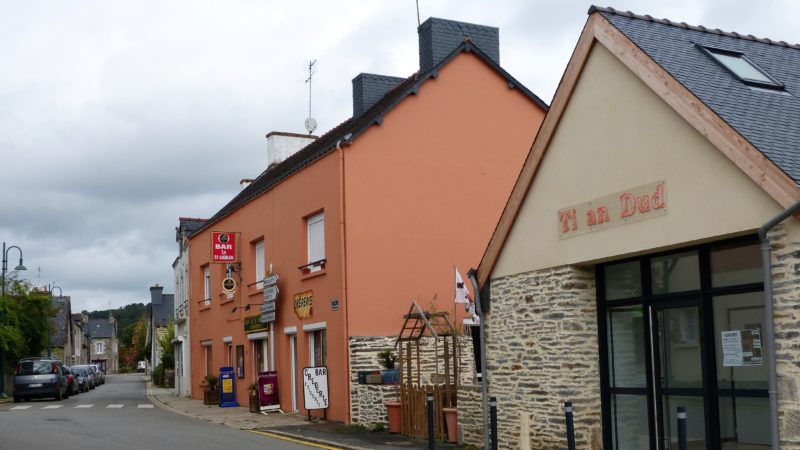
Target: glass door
(678, 372)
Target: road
(117, 415)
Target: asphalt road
(117, 415)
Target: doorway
(293, 369)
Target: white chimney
(283, 145)
(244, 182)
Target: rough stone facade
(542, 350)
(786, 298)
(367, 401)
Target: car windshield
(34, 367)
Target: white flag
(462, 293)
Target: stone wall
(786, 298)
(541, 350)
(367, 401)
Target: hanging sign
(303, 303)
(741, 348)
(223, 247)
(315, 388)
(229, 285)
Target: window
(99, 347)
(318, 347)
(240, 361)
(209, 370)
(744, 69)
(259, 264)
(316, 240)
(207, 284)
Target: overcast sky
(116, 118)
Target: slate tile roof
(769, 120)
(100, 328)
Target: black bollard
(493, 414)
(682, 445)
(431, 441)
(570, 425)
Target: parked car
(90, 380)
(80, 378)
(72, 382)
(101, 377)
(39, 377)
(142, 366)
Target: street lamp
(60, 295)
(3, 311)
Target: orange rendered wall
(279, 217)
(425, 189)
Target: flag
(462, 292)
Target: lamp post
(49, 342)
(3, 311)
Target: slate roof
(768, 119)
(100, 328)
(351, 128)
(161, 313)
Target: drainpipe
(769, 325)
(343, 301)
(484, 370)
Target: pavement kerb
(299, 437)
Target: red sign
(223, 247)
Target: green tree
(27, 312)
(165, 344)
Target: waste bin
(268, 390)
(227, 391)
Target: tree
(165, 344)
(27, 317)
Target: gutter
(343, 253)
(769, 319)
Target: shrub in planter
(210, 393)
(255, 402)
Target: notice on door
(741, 348)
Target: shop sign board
(315, 388)
(253, 324)
(267, 317)
(631, 205)
(271, 293)
(223, 247)
(741, 348)
(303, 303)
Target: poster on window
(741, 348)
(315, 388)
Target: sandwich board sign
(315, 388)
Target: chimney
(156, 294)
(439, 37)
(244, 182)
(283, 145)
(368, 88)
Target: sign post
(315, 389)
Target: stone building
(104, 344)
(80, 339)
(186, 226)
(61, 337)
(625, 273)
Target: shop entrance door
(677, 373)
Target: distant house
(80, 339)
(180, 267)
(161, 310)
(103, 344)
(61, 339)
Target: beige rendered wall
(617, 134)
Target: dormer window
(742, 67)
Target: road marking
(297, 441)
(52, 406)
(84, 406)
(145, 406)
(115, 406)
(19, 407)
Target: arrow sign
(268, 307)
(268, 317)
(271, 293)
(271, 280)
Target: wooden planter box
(255, 404)
(210, 397)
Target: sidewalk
(330, 434)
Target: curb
(300, 437)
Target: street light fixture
(3, 311)
(60, 295)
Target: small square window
(742, 67)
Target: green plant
(211, 382)
(253, 389)
(387, 359)
(379, 426)
(158, 375)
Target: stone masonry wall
(786, 298)
(541, 350)
(367, 401)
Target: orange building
(363, 220)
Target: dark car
(39, 377)
(72, 380)
(90, 382)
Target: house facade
(80, 339)
(186, 226)
(162, 308)
(626, 273)
(61, 335)
(361, 222)
(103, 344)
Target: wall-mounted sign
(271, 293)
(268, 307)
(223, 247)
(303, 303)
(632, 205)
(271, 280)
(334, 304)
(315, 387)
(741, 348)
(253, 324)
(268, 317)
(229, 285)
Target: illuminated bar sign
(223, 247)
(631, 205)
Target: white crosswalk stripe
(145, 406)
(84, 406)
(115, 406)
(19, 408)
(52, 406)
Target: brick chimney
(439, 37)
(368, 88)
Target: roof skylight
(744, 69)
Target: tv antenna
(310, 123)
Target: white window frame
(260, 263)
(99, 348)
(316, 239)
(207, 284)
(312, 347)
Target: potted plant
(210, 393)
(387, 359)
(255, 403)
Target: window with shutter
(259, 264)
(316, 239)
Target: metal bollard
(431, 441)
(682, 445)
(570, 425)
(493, 414)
